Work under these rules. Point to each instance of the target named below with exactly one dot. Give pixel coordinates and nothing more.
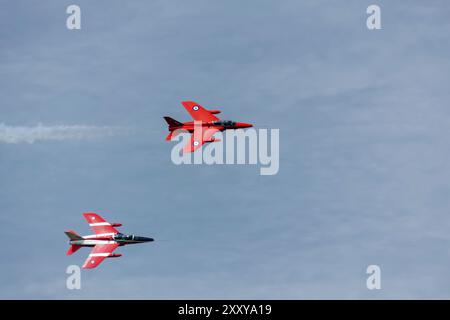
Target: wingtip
(87, 266)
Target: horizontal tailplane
(72, 249)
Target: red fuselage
(219, 125)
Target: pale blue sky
(364, 126)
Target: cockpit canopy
(121, 236)
(225, 123)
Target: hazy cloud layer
(364, 126)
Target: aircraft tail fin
(169, 136)
(173, 134)
(72, 249)
(172, 122)
(72, 235)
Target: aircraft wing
(98, 254)
(197, 112)
(98, 224)
(195, 143)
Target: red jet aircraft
(209, 124)
(105, 240)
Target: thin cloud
(19, 134)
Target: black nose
(145, 239)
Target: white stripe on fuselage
(99, 235)
(91, 242)
(99, 224)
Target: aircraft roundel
(195, 108)
(196, 143)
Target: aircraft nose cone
(244, 125)
(144, 239)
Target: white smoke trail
(14, 134)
